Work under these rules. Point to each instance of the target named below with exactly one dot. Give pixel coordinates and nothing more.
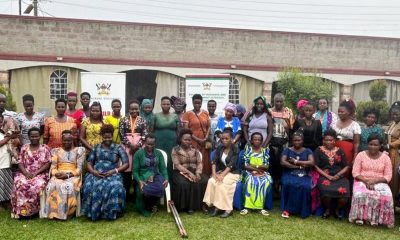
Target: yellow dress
(93, 136)
(110, 119)
(61, 198)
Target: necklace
(330, 154)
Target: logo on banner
(103, 89)
(207, 86)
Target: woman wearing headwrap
(146, 112)
(229, 120)
(179, 105)
(300, 104)
(259, 120)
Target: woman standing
(331, 164)
(76, 114)
(393, 134)
(33, 163)
(221, 186)
(326, 117)
(54, 126)
(114, 119)
(179, 105)
(90, 127)
(372, 199)
(296, 183)
(60, 199)
(166, 126)
(146, 112)
(348, 131)
(229, 120)
(259, 120)
(198, 121)
(29, 118)
(187, 181)
(132, 130)
(257, 181)
(150, 173)
(103, 193)
(85, 102)
(311, 128)
(371, 116)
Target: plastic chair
(167, 189)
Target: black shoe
(226, 214)
(205, 209)
(326, 215)
(213, 212)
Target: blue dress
(104, 197)
(296, 186)
(234, 124)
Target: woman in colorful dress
(326, 117)
(229, 120)
(348, 131)
(54, 126)
(372, 200)
(146, 112)
(114, 119)
(371, 116)
(188, 182)
(259, 120)
(225, 175)
(29, 118)
(311, 128)
(6, 179)
(103, 193)
(76, 114)
(257, 181)
(393, 135)
(198, 121)
(60, 199)
(90, 128)
(132, 130)
(33, 163)
(151, 175)
(296, 182)
(166, 127)
(331, 164)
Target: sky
(355, 17)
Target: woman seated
(221, 186)
(296, 182)
(187, 182)
(151, 175)
(103, 194)
(257, 181)
(372, 200)
(60, 199)
(332, 166)
(32, 177)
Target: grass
(198, 226)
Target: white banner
(211, 87)
(103, 88)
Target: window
(58, 84)
(233, 90)
(182, 88)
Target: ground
(162, 226)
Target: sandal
(285, 214)
(326, 214)
(244, 212)
(264, 212)
(359, 222)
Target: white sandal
(359, 222)
(244, 212)
(264, 212)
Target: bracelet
(116, 170)
(295, 162)
(257, 166)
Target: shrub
(296, 85)
(10, 103)
(377, 90)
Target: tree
(377, 93)
(10, 104)
(296, 85)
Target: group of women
(317, 161)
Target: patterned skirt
(256, 191)
(374, 206)
(6, 182)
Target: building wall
(163, 43)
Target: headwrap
(300, 104)
(240, 108)
(149, 118)
(72, 94)
(249, 115)
(230, 106)
(178, 100)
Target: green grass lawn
(198, 226)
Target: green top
(141, 170)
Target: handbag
(208, 144)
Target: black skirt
(334, 189)
(185, 194)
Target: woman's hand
(151, 178)
(61, 175)
(141, 185)
(165, 183)
(97, 174)
(28, 175)
(109, 173)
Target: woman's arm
(46, 134)
(43, 169)
(246, 132)
(269, 131)
(309, 163)
(356, 143)
(285, 163)
(82, 138)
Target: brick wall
(95, 39)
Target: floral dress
(25, 124)
(25, 194)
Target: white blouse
(348, 132)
